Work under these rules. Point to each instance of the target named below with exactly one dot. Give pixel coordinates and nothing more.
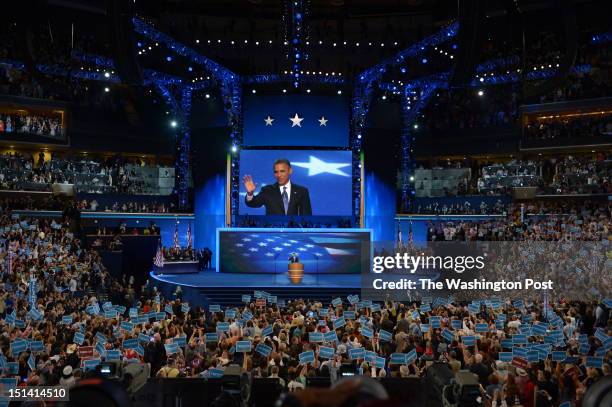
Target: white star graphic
(262, 244)
(316, 166)
(277, 249)
(269, 120)
(296, 121)
(323, 121)
(253, 249)
(269, 254)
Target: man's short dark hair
(282, 161)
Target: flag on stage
(399, 236)
(410, 236)
(189, 239)
(175, 242)
(159, 256)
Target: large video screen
(326, 175)
(296, 120)
(268, 250)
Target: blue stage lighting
(168, 58)
(424, 60)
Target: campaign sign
(380, 362)
(411, 356)
(375, 308)
(594, 361)
(482, 328)
(171, 348)
(348, 314)
(267, 331)
(180, 341)
(330, 336)
(456, 324)
(67, 319)
(339, 323)
(520, 352)
(425, 308)
(215, 373)
(246, 298)
(424, 327)
(356, 353)
(214, 308)
(243, 346)
(326, 352)
(100, 349)
(336, 302)
(130, 344)
(315, 337)
(520, 362)
(78, 338)
(398, 358)
(160, 316)
(469, 340)
(127, 326)
(18, 346)
(533, 356)
(505, 356)
(185, 307)
(91, 364)
(230, 314)
(264, 350)
(370, 356)
(447, 335)
(384, 336)
(559, 356)
(144, 338)
(225, 327)
(435, 322)
(113, 354)
(367, 332)
(211, 337)
(415, 314)
(85, 351)
(519, 339)
(37, 346)
(260, 302)
(306, 357)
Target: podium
(296, 272)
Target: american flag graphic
(263, 252)
(159, 256)
(175, 242)
(189, 238)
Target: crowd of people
(129, 207)
(596, 125)
(56, 296)
(112, 175)
(31, 124)
(202, 256)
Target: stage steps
(232, 296)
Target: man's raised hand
(249, 184)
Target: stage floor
(211, 279)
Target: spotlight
(234, 149)
(411, 178)
(416, 126)
(339, 92)
(207, 96)
(384, 97)
(190, 69)
(403, 70)
(106, 89)
(253, 91)
(168, 59)
(284, 90)
(480, 93)
(197, 41)
(173, 123)
(481, 79)
(424, 60)
(307, 90)
(106, 75)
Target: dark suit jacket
(270, 196)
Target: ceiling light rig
(296, 37)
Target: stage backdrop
(296, 120)
(258, 250)
(326, 174)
